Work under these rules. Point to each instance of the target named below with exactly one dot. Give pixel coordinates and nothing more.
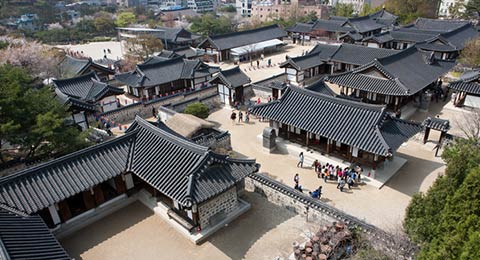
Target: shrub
(197, 109)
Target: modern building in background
(270, 9)
(244, 7)
(201, 6)
(445, 5)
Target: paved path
(94, 50)
(384, 208)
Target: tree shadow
(240, 235)
(408, 180)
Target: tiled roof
(384, 17)
(233, 78)
(301, 28)
(344, 53)
(28, 237)
(451, 41)
(332, 26)
(39, 187)
(72, 67)
(87, 88)
(437, 124)
(364, 126)
(177, 34)
(157, 71)
(364, 24)
(179, 168)
(278, 81)
(380, 38)
(469, 83)
(242, 38)
(437, 24)
(401, 74)
(320, 87)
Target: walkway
(384, 208)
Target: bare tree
(469, 124)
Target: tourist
(109, 51)
(240, 116)
(262, 56)
(300, 160)
(258, 64)
(296, 178)
(269, 99)
(233, 116)
(298, 187)
(350, 182)
(339, 181)
(269, 62)
(259, 101)
(316, 194)
(247, 117)
(326, 175)
(315, 165)
(341, 184)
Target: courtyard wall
(220, 205)
(284, 196)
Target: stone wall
(222, 204)
(177, 102)
(291, 199)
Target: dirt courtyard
(134, 232)
(384, 207)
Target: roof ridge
(217, 36)
(84, 76)
(334, 99)
(382, 140)
(66, 157)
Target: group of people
(262, 57)
(346, 176)
(233, 117)
(328, 172)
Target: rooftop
(242, 38)
(374, 130)
(232, 78)
(402, 74)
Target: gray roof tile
(28, 237)
(233, 78)
(353, 123)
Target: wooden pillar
(442, 135)
(120, 184)
(307, 135)
(427, 133)
(349, 153)
(64, 210)
(98, 194)
(88, 199)
(288, 132)
(328, 146)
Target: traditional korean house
(359, 133)
(343, 28)
(187, 52)
(244, 45)
(230, 84)
(328, 59)
(160, 77)
(444, 37)
(196, 186)
(273, 86)
(467, 89)
(72, 67)
(394, 80)
(86, 95)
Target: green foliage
(345, 10)
(368, 9)
(3, 45)
(125, 19)
(472, 8)
(103, 22)
(470, 55)
(227, 9)
(197, 109)
(446, 220)
(409, 10)
(32, 118)
(209, 24)
(84, 30)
